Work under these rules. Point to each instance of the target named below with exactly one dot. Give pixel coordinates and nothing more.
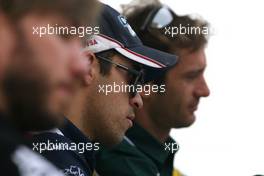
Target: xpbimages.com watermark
(126, 88)
(61, 146)
(80, 31)
(171, 147)
(175, 31)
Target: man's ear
(91, 61)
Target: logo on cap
(91, 42)
(124, 22)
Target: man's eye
(191, 76)
(131, 78)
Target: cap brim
(140, 53)
(149, 57)
(155, 62)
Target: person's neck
(146, 122)
(76, 113)
(2, 103)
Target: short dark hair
(105, 67)
(163, 42)
(78, 12)
(136, 16)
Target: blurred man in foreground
(37, 75)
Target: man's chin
(191, 119)
(59, 106)
(186, 122)
(112, 142)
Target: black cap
(116, 33)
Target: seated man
(145, 151)
(101, 113)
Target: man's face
(185, 85)
(112, 114)
(41, 78)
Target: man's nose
(136, 101)
(202, 90)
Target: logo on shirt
(73, 171)
(31, 164)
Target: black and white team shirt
(17, 159)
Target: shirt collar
(148, 144)
(70, 131)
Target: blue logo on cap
(124, 22)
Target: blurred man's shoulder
(17, 159)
